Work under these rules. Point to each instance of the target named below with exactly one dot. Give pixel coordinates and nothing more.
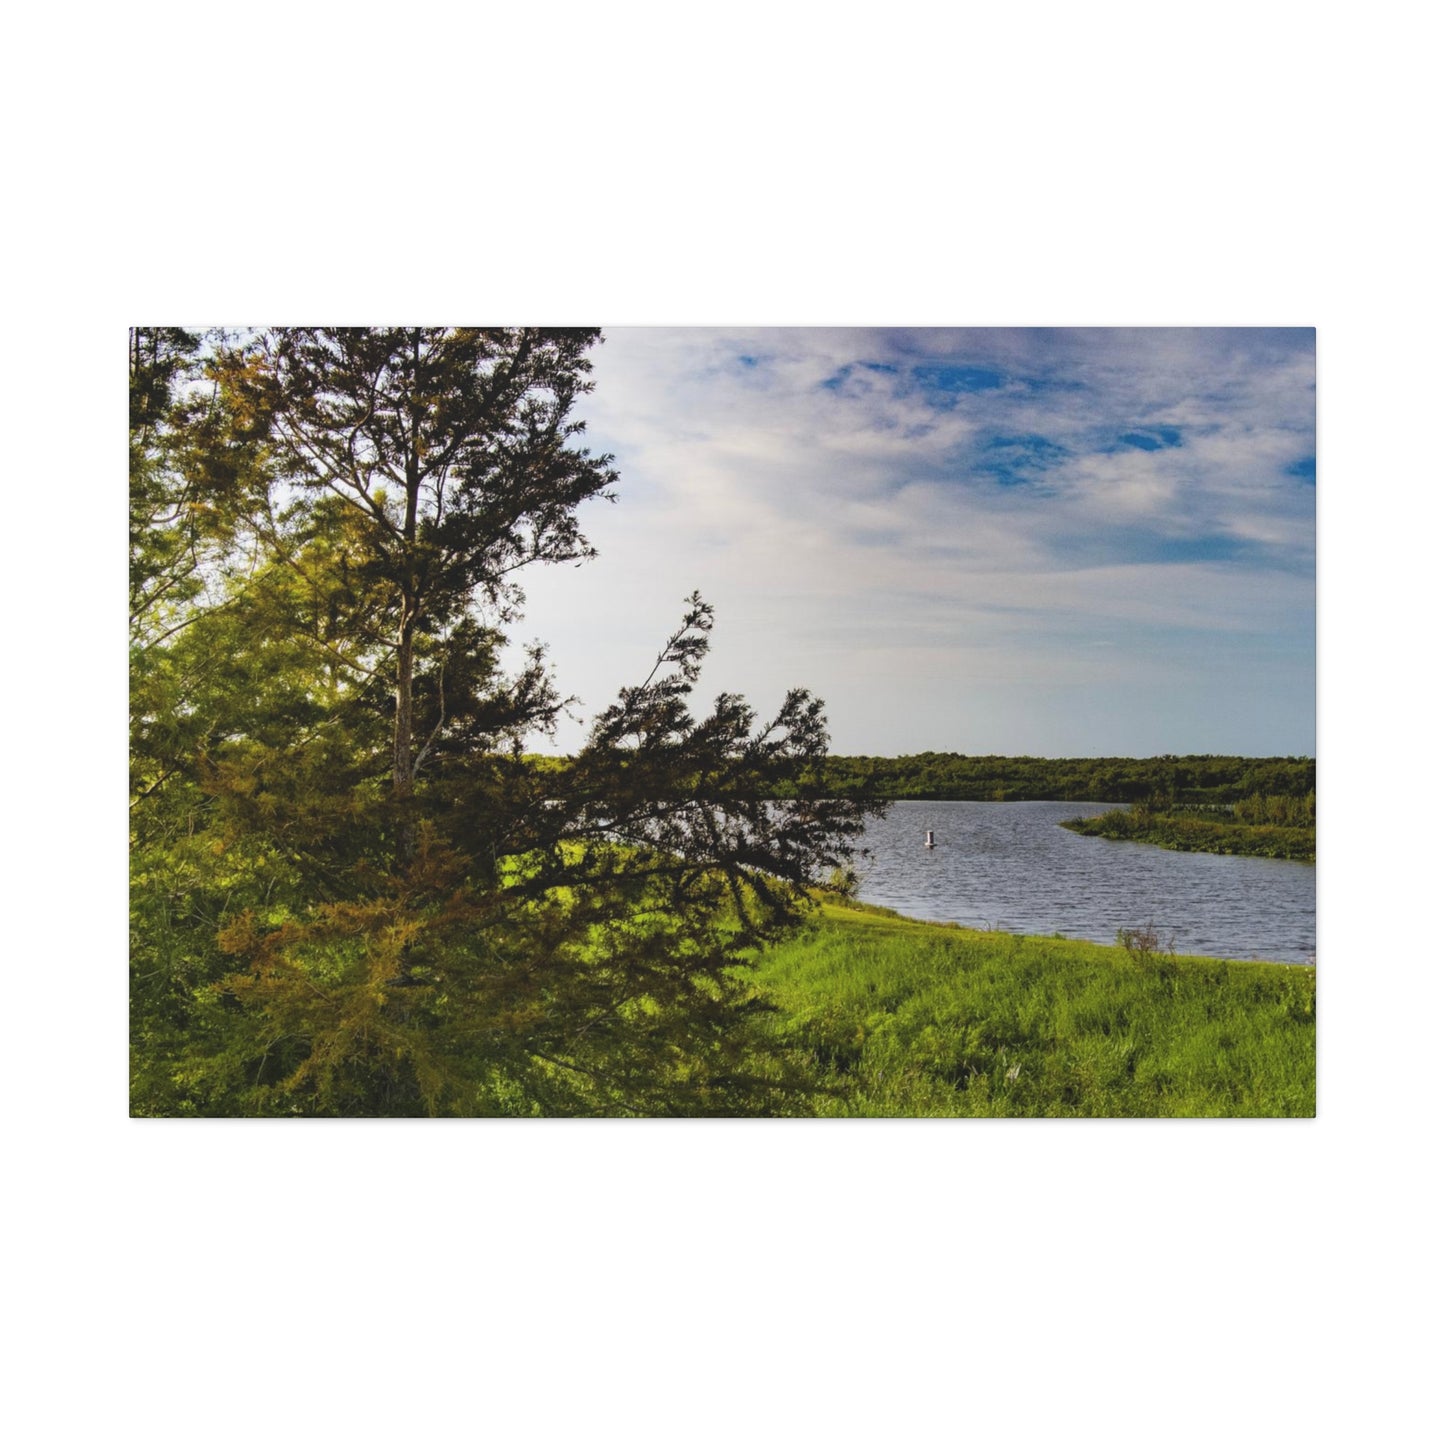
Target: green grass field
(904, 1019)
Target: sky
(1077, 542)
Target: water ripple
(1010, 866)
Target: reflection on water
(1010, 865)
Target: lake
(1010, 866)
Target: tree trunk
(401, 773)
(401, 766)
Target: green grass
(909, 1019)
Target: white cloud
(835, 511)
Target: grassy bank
(1195, 833)
(909, 1019)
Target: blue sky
(1056, 542)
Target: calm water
(1010, 865)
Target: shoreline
(856, 908)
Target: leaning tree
(438, 923)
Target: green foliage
(1214, 831)
(352, 894)
(1276, 811)
(193, 474)
(567, 943)
(1175, 780)
(907, 1019)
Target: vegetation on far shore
(1198, 780)
(905, 1019)
(1258, 827)
(1165, 783)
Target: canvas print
(759, 722)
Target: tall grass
(909, 1019)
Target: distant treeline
(1165, 780)
(1162, 782)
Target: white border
(801, 164)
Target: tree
(158, 356)
(451, 445)
(358, 895)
